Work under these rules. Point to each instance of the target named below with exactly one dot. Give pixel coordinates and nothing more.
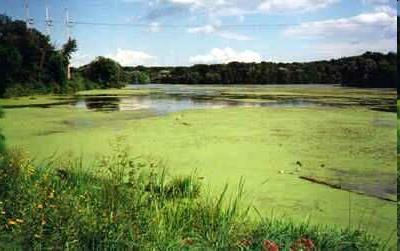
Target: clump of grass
(183, 187)
(129, 204)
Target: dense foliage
(29, 64)
(367, 70)
(2, 138)
(136, 76)
(104, 71)
(130, 205)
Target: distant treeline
(368, 70)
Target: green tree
(28, 61)
(139, 77)
(68, 49)
(10, 63)
(57, 69)
(104, 71)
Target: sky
(187, 32)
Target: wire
(184, 25)
(173, 25)
(177, 26)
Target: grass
(37, 100)
(129, 205)
(262, 145)
(48, 100)
(398, 171)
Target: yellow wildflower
(12, 222)
(19, 221)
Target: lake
(306, 152)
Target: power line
(70, 23)
(183, 25)
(178, 25)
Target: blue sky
(186, 32)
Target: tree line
(367, 70)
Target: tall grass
(130, 204)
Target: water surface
(173, 98)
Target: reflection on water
(173, 98)
(99, 103)
(163, 105)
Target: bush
(17, 90)
(104, 71)
(138, 77)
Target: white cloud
(386, 9)
(154, 27)
(234, 36)
(375, 31)
(376, 1)
(293, 5)
(199, 3)
(214, 10)
(346, 49)
(243, 7)
(215, 30)
(132, 58)
(364, 26)
(207, 29)
(79, 59)
(226, 55)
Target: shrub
(17, 90)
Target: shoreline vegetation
(132, 204)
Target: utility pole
(68, 35)
(28, 19)
(49, 22)
(67, 25)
